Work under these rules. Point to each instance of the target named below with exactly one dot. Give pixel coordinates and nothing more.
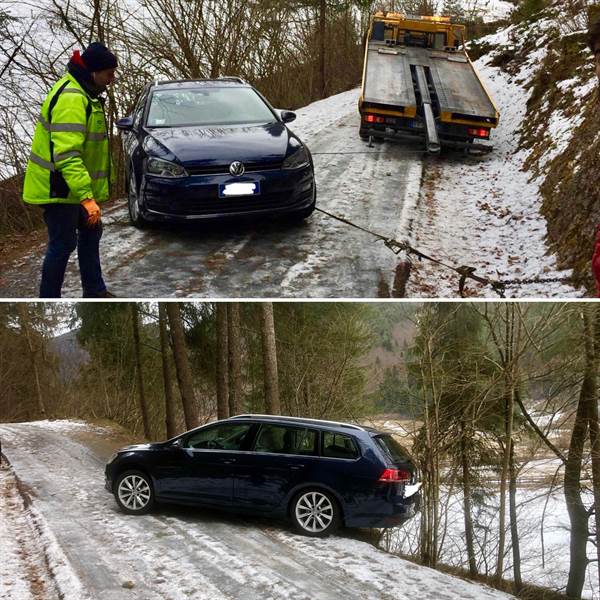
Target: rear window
(207, 106)
(338, 445)
(392, 449)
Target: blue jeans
(67, 230)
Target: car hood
(207, 146)
(134, 447)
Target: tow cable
(464, 271)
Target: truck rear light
(374, 119)
(394, 476)
(480, 133)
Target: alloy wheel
(314, 512)
(134, 209)
(134, 492)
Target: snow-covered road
(91, 550)
(321, 258)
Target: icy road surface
(320, 258)
(72, 525)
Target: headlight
(165, 168)
(297, 160)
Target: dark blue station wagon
(214, 148)
(319, 474)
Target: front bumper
(197, 197)
(108, 483)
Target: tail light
(374, 119)
(395, 476)
(480, 133)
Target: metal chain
(465, 271)
(509, 282)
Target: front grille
(223, 206)
(224, 169)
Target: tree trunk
(322, 28)
(514, 530)
(222, 356)
(182, 365)
(272, 406)
(594, 426)
(166, 367)
(138, 366)
(509, 386)
(26, 326)
(467, 504)
(235, 357)
(577, 513)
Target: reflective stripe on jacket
(70, 157)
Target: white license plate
(241, 188)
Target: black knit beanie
(98, 57)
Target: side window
(286, 440)
(338, 445)
(221, 437)
(139, 110)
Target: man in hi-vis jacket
(68, 172)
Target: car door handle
(228, 461)
(296, 467)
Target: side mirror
(178, 443)
(125, 124)
(287, 116)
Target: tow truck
(419, 83)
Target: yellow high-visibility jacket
(70, 156)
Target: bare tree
(25, 323)
(182, 365)
(139, 373)
(235, 357)
(166, 368)
(222, 362)
(578, 515)
(269, 349)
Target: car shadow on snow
(203, 516)
(228, 227)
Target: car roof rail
(300, 419)
(233, 78)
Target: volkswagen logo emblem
(236, 168)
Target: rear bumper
(196, 198)
(388, 514)
(418, 135)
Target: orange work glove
(92, 210)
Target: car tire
(315, 513)
(134, 493)
(133, 205)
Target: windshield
(207, 106)
(393, 449)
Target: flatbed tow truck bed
(405, 85)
